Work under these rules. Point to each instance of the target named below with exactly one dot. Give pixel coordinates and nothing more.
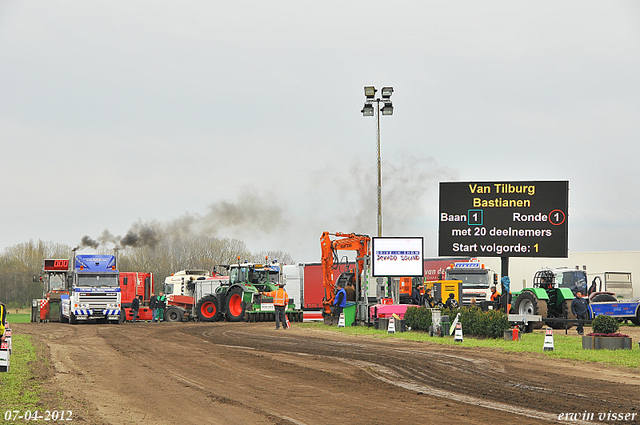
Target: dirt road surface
(228, 373)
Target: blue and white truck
(616, 300)
(94, 291)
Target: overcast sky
(242, 119)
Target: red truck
(133, 284)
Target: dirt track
(223, 373)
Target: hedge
(418, 318)
(475, 322)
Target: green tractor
(240, 300)
(551, 296)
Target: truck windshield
(470, 279)
(95, 280)
(56, 281)
(274, 277)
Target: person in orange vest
(494, 294)
(280, 301)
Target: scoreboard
(504, 219)
(55, 265)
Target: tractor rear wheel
(235, 306)
(527, 303)
(207, 309)
(173, 314)
(567, 314)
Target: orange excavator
(346, 241)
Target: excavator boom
(329, 247)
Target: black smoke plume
(88, 242)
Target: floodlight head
(367, 110)
(387, 109)
(387, 92)
(370, 92)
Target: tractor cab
(573, 279)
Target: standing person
(161, 305)
(350, 289)
(580, 310)
(280, 301)
(135, 306)
(429, 302)
(339, 303)
(451, 303)
(505, 298)
(495, 296)
(153, 305)
(416, 296)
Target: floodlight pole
(379, 177)
(369, 92)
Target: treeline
(20, 264)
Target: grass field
(19, 318)
(566, 346)
(19, 390)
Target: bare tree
(279, 256)
(20, 267)
(20, 263)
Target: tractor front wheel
(207, 309)
(527, 303)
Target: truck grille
(97, 300)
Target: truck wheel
(528, 303)
(72, 319)
(173, 314)
(207, 309)
(123, 316)
(235, 306)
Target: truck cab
(94, 290)
(180, 284)
(476, 280)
